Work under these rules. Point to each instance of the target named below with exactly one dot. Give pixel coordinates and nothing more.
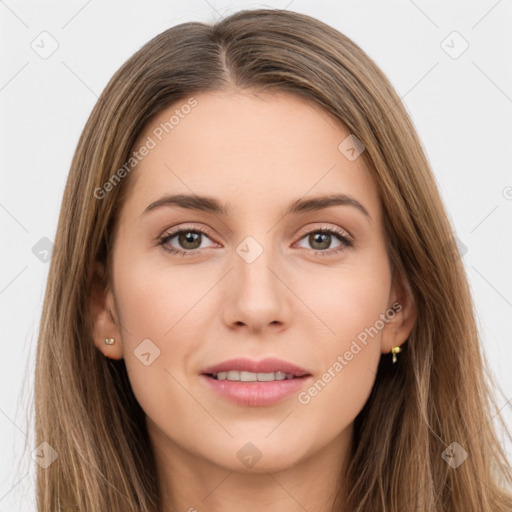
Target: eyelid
(325, 227)
(303, 231)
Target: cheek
(350, 303)
(335, 397)
(153, 301)
(350, 352)
(154, 296)
(345, 300)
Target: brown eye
(320, 241)
(189, 239)
(185, 241)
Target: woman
(255, 300)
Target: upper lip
(267, 365)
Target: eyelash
(346, 242)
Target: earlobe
(402, 321)
(102, 314)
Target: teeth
(253, 377)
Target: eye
(190, 241)
(321, 239)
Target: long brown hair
(440, 393)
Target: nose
(255, 293)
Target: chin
(259, 456)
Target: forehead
(248, 146)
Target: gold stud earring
(109, 341)
(395, 351)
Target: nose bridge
(254, 256)
(257, 297)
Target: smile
(235, 375)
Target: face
(255, 278)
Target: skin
(256, 153)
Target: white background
(461, 108)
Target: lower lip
(256, 394)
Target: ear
(401, 316)
(103, 314)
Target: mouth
(250, 370)
(251, 383)
(245, 376)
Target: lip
(256, 394)
(267, 365)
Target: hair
(441, 391)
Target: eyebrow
(211, 205)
